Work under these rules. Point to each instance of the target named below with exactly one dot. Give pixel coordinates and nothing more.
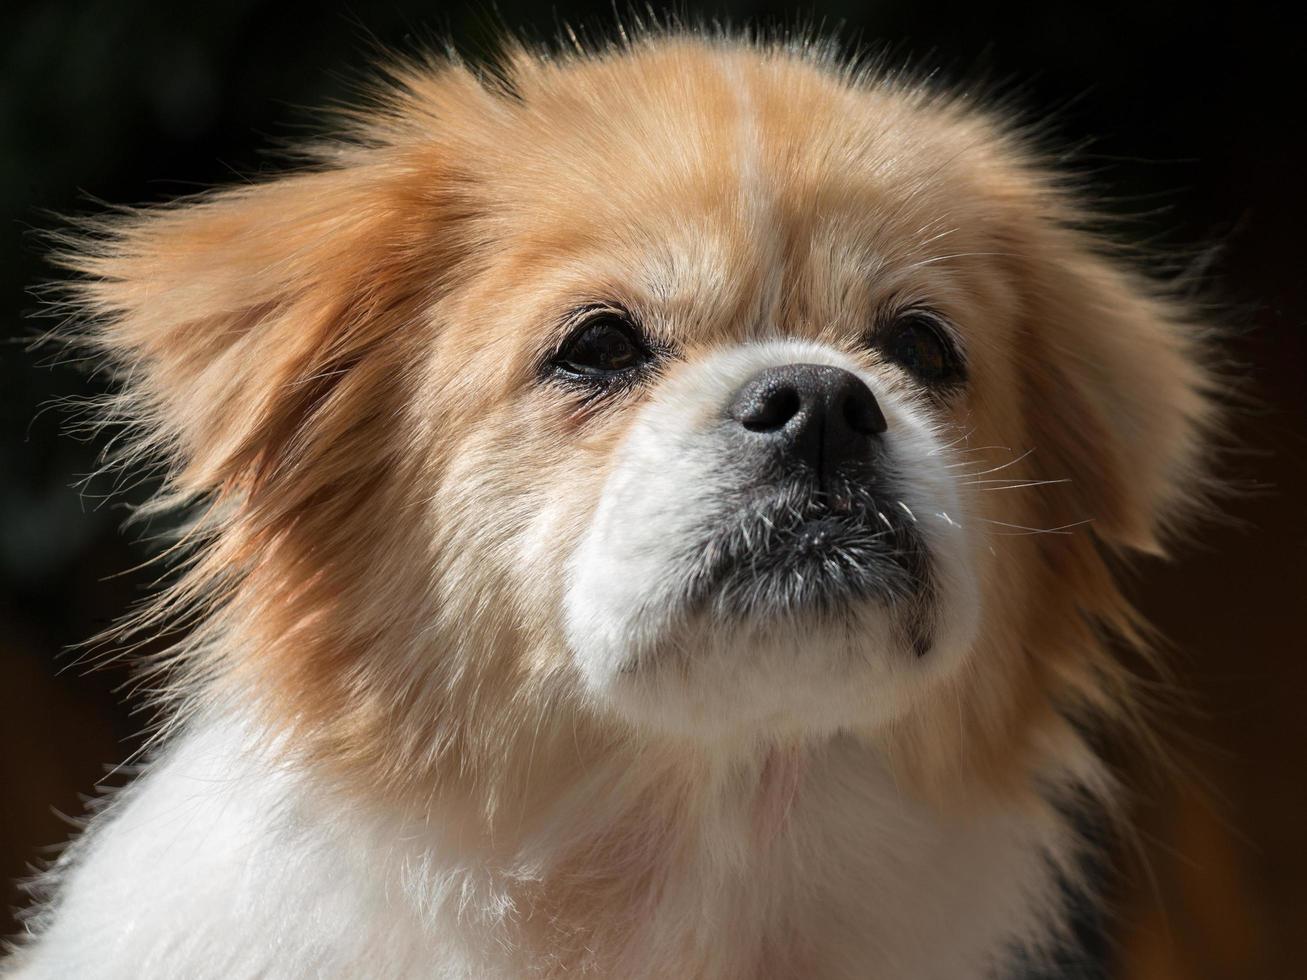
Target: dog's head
(689, 391)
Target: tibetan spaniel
(651, 513)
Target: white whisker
(1022, 529)
(1001, 466)
(1004, 485)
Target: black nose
(819, 416)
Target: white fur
(228, 860)
(223, 863)
(665, 488)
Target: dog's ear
(230, 319)
(1118, 399)
(233, 316)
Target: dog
(653, 513)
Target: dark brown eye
(605, 345)
(918, 342)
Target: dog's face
(734, 402)
(778, 540)
(693, 388)
(740, 427)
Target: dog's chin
(814, 670)
(799, 613)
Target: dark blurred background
(1190, 119)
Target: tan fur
(337, 366)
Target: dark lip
(795, 549)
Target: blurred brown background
(1191, 120)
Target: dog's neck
(779, 859)
(632, 871)
(793, 861)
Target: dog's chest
(232, 866)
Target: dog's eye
(605, 345)
(916, 341)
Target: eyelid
(552, 363)
(576, 322)
(948, 330)
(567, 327)
(591, 311)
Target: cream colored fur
(403, 739)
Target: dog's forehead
(739, 142)
(726, 184)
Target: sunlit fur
(384, 759)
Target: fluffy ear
(232, 317)
(1117, 396)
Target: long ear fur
(261, 338)
(1118, 396)
(228, 317)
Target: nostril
(863, 414)
(771, 409)
(815, 418)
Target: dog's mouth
(796, 549)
